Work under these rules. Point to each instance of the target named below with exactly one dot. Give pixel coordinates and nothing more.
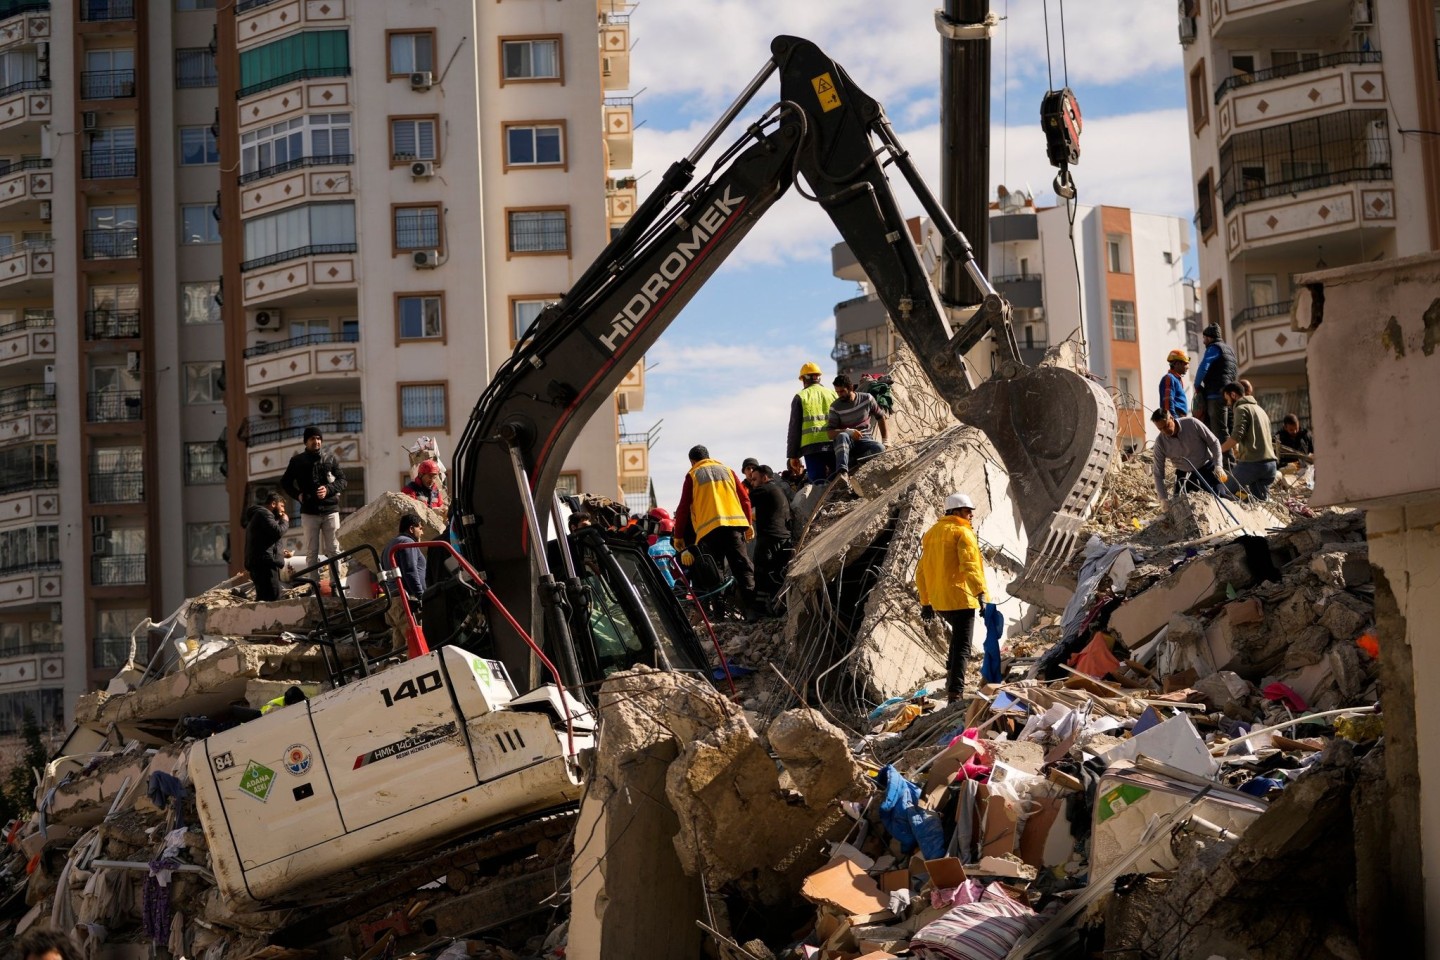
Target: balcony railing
(307, 73)
(1016, 278)
(13, 8)
(423, 237)
(1293, 69)
(19, 85)
(27, 565)
(30, 649)
(112, 325)
(320, 160)
(96, 10)
(26, 480)
(29, 396)
(259, 431)
(117, 487)
(107, 84)
(111, 245)
(314, 249)
(110, 652)
(1284, 188)
(107, 406)
(29, 163)
(309, 339)
(242, 5)
(620, 101)
(1251, 314)
(108, 164)
(29, 323)
(118, 570)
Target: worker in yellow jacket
(714, 517)
(951, 579)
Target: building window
(1116, 258)
(535, 144)
(413, 138)
(204, 463)
(1199, 97)
(198, 147)
(205, 382)
(314, 53)
(1205, 205)
(417, 228)
(530, 58)
(199, 223)
(195, 68)
(207, 543)
(1127, 386)
(538, 231)
(283, 145)
(299, 232)
(420, 316)
(422, 407)
(568, 484)
(411, 52)
(198, 303)
(1122, 319)
(523, 311)
(184, 6)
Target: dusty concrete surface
(378, 521)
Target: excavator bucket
(1055, 431)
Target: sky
(724, 373)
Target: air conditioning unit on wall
(269, 406)
(422, 80)
(425, 259)
(268, 320)
(422, 169)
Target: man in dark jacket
(265, 524)
(410, 563)
(1293, 437)
(771, 502)
(315, 479)
(1216, 369)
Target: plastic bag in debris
(1059, 722)
(1019, 790)
(1099, 560)
(905, 819)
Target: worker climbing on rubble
(1188, 446)
(425, 486)
(1255, 462)
(950, 579)
(662, 547)
(714, 517)
(852, 423)
(773, 546)
(807, 436)
(1172, 386)
(1217, 368)
(265, 524)
(315, 479)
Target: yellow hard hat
(1179, 355)
(811, 368)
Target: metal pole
(731, 112)
(965, 147)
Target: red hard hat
(663, 518)
(427, 467)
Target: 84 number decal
(421, 685)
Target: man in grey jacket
(1192, 449)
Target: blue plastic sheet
(994, 627)
(906, 820)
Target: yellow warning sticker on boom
(825, 90)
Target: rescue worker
(425, 487)
(1254, 450)
(291, 696)
(1193, 451)
(773, 546)
(807, 436)
(950, 579)
(714, 517)
(662, 546)
(1172, 386)
(265, 525)
(1217, 368)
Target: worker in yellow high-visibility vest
(714, 517)
(807, 436)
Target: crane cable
(1065, 187)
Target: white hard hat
(957, 500)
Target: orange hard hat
(1178, 355)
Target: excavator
(445, 744)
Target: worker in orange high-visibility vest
(950, 579)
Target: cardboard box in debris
(1204, 686)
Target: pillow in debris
(985, 930)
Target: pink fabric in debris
(978, 766)
(1278, 691)
(968, 892)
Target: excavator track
(491, 846)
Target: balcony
(113, 406)
(25, 182)
(98, 11)
(28, 340)
(1023, 290)
(107, 84)
(1251, 314)
(311, 358)
(858, 358)
(630, 395)
(326, 95)
(111, 245)
(1278, 18)
(860, 313)
(1316, 87)
(270, 442)
(1345, 218)
(1308, 65)
(615, 52)
(621, 199)
(110, 487)
(619, 120)
(26, 102)
(286, 189)
(294, 76)
(318, 273)
(27, 412)
(23, 22)
(118, 570)
(262, 21)
(31, 582)
(1014, 227)
(1267, 345)
(110, 653)
(107, 164)
(322, 160)
(34, 500)
(29, 396)
(112, 325)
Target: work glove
(927, 613)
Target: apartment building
(1313, 145)
(1137, 303)
(219, 226)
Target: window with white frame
(299, 229)
(205, 382)
(422, 406)
(411, 52)
(539, 231)
(1127, 384)
(523, 313)
(417, 228)
(1116, 256)
(198, 147)
(199, 223)
(198, 303)
(207, 543)
(1122, 319)
(531, 59)
(204, 463)
(285, 142)
(412, 138)
(420, 317)
(540, 144)
(18, 67)
(195, 68)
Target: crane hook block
(1060, 119)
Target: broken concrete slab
(377, 523)
(1343, 565)
(1199, 583)
(1346, 616)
